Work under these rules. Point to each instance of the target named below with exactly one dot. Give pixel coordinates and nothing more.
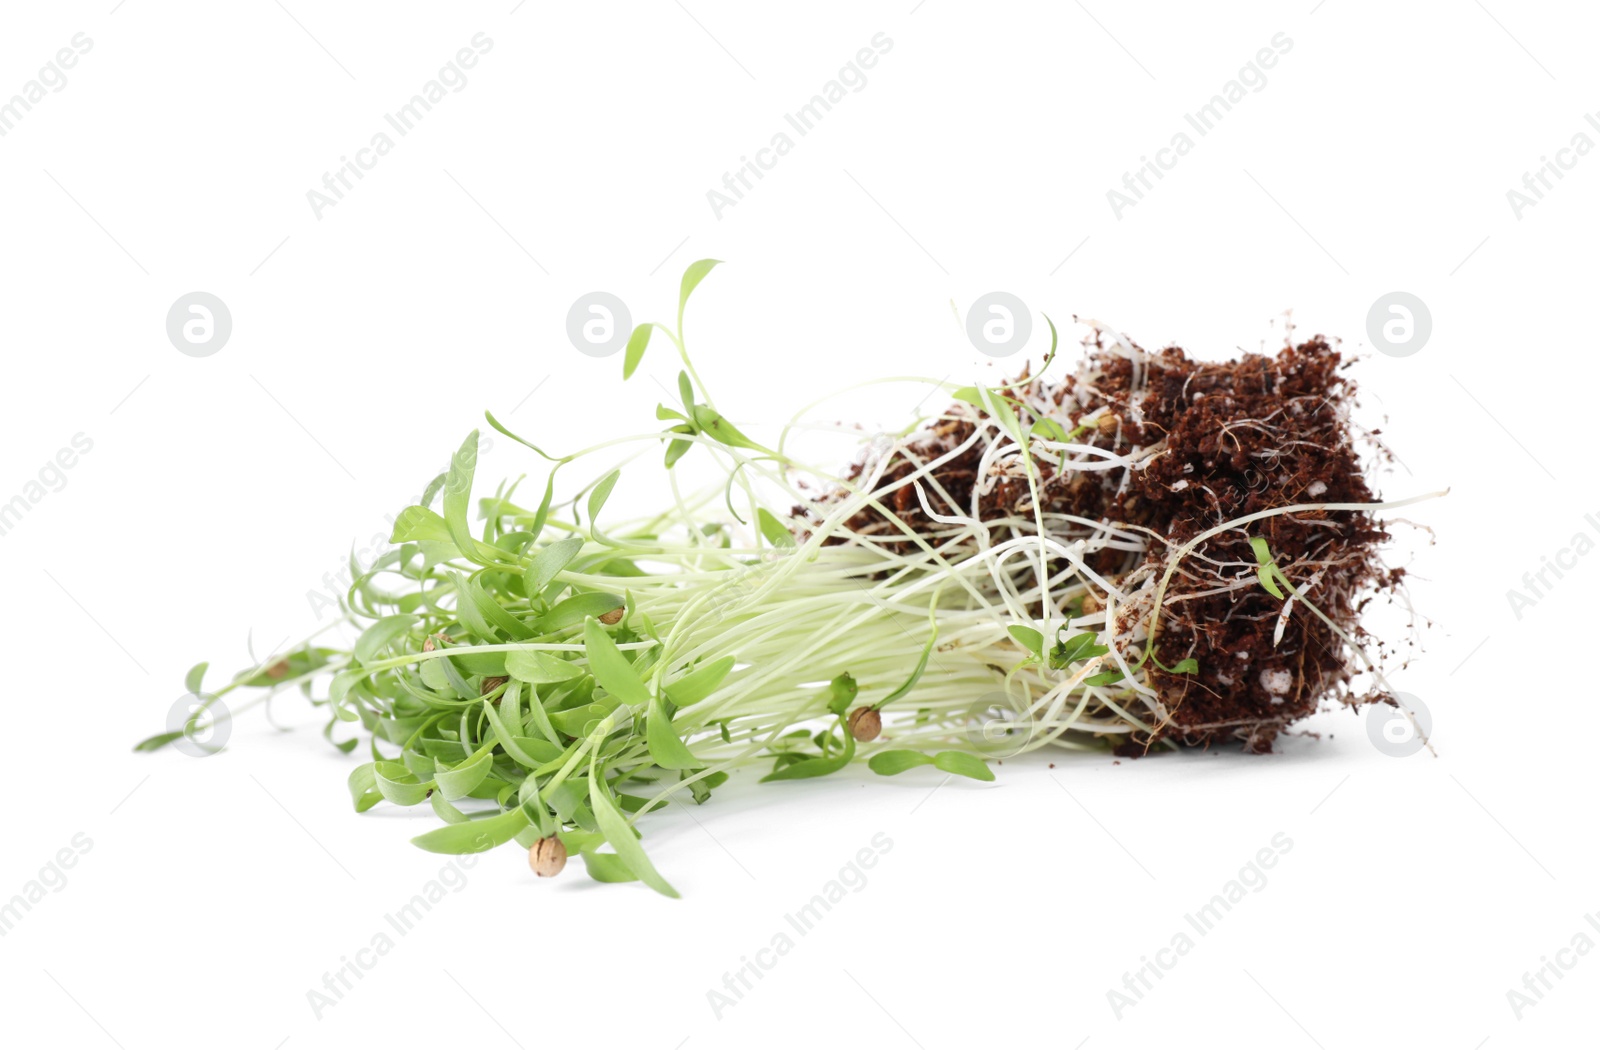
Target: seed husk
(547, 857)
(865, 724)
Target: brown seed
(429, 644)
(278, 670)
(490, 685)
(1107, 422)
(1091, 604)
(614, 616)
(865, 724)
(547, 857)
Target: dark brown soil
(1257, 433)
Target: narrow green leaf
(1028, 638)
(610, 668)
(550, 560)
(607, 867)
(1103, 678)
(1188, 665)
(634, 353)
(714, 426)
(675, 451)
(420, 525)
(916, 674)
(538, 667)
(962, 765)
(1266, 568)
(196, 677)
(575, 610)
(620, 834)
(377, 637)
(815, 767)
(890, 763)
(666, 749)
(774, 530)
(475, 836)
(691, 279)
(465, 778)
(363, 784)
(600, 493)
(699, 683)
(398, 784)
(458, 495)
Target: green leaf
(538, 667)
(495, 614)
(462, 780)
(363, 784)
(582, 720)
(842, 693)
(815, 767)
(610, 668)
(916, 674)
(635, 349)
(1103, 678)
(467, 611)
(475, 836)
(607, 867)
(196, 677)
(377, 637)
(620, 834)
(773, 529)
(1050, 430)
(398, 784)
(420, 525)
(890, 763)
(713, 425)
(691, 279)
(686, 392)
(962, 765)
(666, 749)
(458, 495)
(675, 451)
(600, 493)
(1078, 647)
(575, 610)
(1186, 666)
(699, 683)
(1266, 568)
(550, 560)
(1028, 638)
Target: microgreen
(560, 672)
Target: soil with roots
(1211, 442)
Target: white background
(367, 342)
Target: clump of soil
(1209, 443)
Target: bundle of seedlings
(1147, 553)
